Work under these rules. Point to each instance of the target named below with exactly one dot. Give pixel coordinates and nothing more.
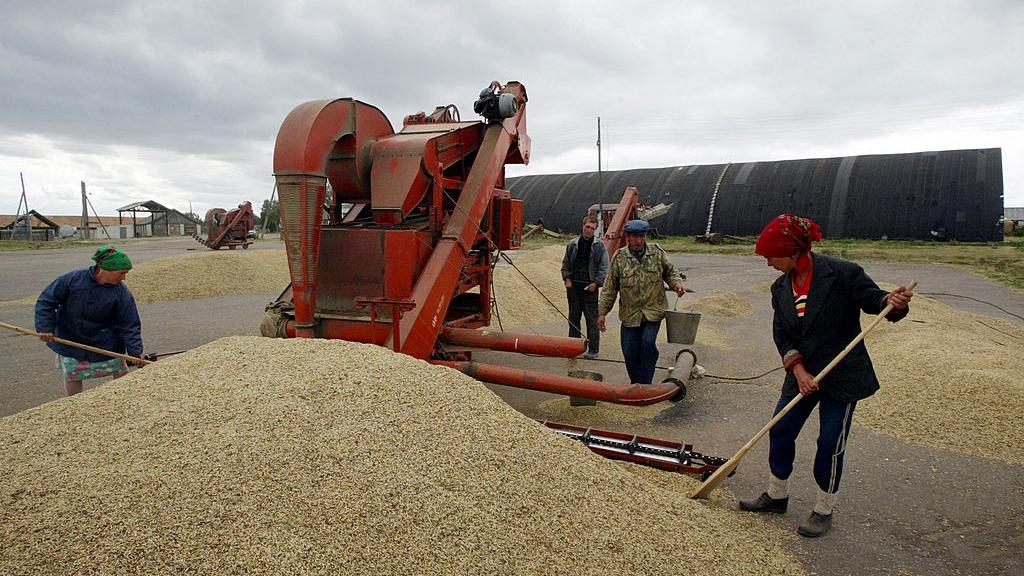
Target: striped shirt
(800, 291)
(801, 303)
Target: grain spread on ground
(208, 274)
(602, 414)
(266, 456)
(26, 301)
(202, 275)
(725, 304)
(950, 379)
(522, 305)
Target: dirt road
(904, 509)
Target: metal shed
(162, 221)
(947, 195)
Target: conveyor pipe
(680, 374)
(630, 394)
(557, 346)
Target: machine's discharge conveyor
(653, 452)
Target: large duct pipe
(318, 141)
(558, 346)
(630, 394)
(679, 376)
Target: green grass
(999, 261)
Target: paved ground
(904, 509)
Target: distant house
(42, 228)
(100, 227)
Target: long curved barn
(953, 194)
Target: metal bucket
(682, 326)
(586, 375)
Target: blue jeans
(640, 350)
(834, 417)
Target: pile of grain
(522, 305)
(202, 275)
(259, 456)
(207, 274)
(950, 379)
(716, 303)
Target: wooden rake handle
(126, 357)
(724, 470)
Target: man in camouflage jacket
(637, 276)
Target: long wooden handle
(138, 361)
(724, 470)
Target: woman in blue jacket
(818, 301)
(91, 306)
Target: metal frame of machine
(391, 237)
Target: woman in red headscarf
(817, 301)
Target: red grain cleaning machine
(391, 239)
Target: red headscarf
(787, 235)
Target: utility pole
(270, 209)
(600, 184)
(25, 227)
(600, 187)
(85, 214)
(99, 222)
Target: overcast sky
(181, 101)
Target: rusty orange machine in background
(228, 228)
(391, 238)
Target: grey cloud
(215, 79)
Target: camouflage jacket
(639, 285)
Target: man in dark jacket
(91, 306)
(584, 268)
(818, 301)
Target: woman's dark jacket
(78, 308)
(839, 291)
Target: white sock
(825, 502)
(777, 487)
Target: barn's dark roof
(957, 192)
